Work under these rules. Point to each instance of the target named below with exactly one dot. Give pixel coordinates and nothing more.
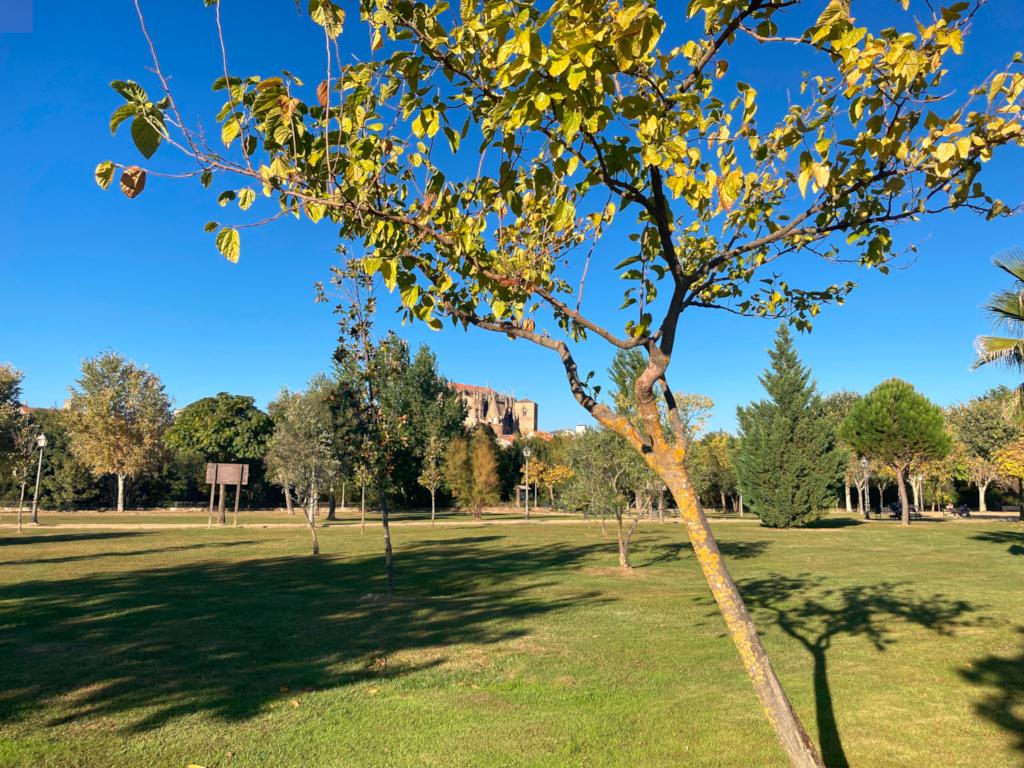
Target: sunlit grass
(504, 646)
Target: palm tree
(1007, 310)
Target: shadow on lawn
(1013, 538)
(89, 556)
(815, 615)
(31, 537)
(230, 638)
(735, 550)
(1004, 705)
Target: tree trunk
(120, 492)
(389, 564)
(362, 510)
(741, 505)
(901, 486)
(312, 528)
(288, 499)
(343, 484)
(864, 500)
(849, 499)
(982, 488)
(21, 504)
(331, 506)
(433, 506)
(790, 731)
(624, 538)
(914, 491)
(551, 493)
(661, 506)
(722, 494)
(221, 518)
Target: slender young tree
(118, 413)
(373, 372)
(898, 427)
(300, 453)
(583, 119)
(471, 471)
(432, 475)
(787, 463)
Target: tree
(1006, 309)
(10, 407)
(551, 476)
(300, 452)
(432, 474)
(223, 428)
(21, 458)
(787, 463)
(117, 417)
(66, 481)
(712, 468)
(836, 406)
(605, 474)
(582, 121)
(898, 427)
(373, 372)
(471, 471)
(983, 426)
(1010, 460)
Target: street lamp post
(41, 442)
(865, 491)
(526, 455)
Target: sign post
(219, 474)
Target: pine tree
(787, 463)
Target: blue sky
(84, 271)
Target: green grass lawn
(505, 646)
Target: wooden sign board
(227, 474)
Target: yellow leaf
(821, 175)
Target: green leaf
(327, 15)
(246, 197)
(104, 174)
(315, 211)
(229, 244)
(121, 114)
(210, 226)
(836, 10)
(225, 197)
(131, 90)
(145, 136)
(571, 124)
(205, 178)
(230, 130)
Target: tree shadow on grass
(46, 538)
(89, 556)
(231, 638)
(1004, 703)
(1013, 538)
(735, 550)
(814, 615)
(835, 522)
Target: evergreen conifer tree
(787, 463)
